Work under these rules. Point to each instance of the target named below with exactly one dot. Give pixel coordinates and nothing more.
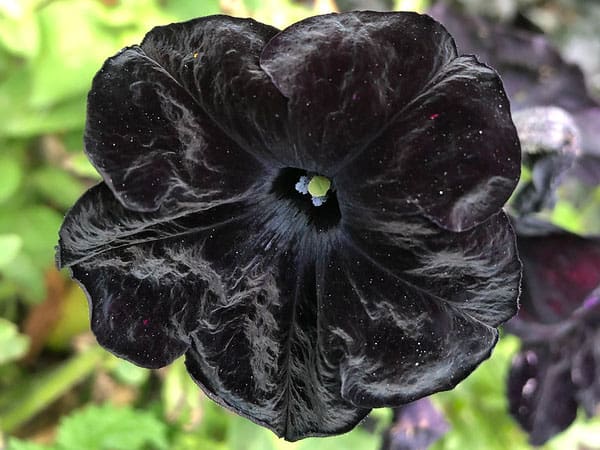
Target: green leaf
(128, 373)
(213, 424)
(277, 12)
(565, 215)
(18, 118)
(209, 433)
(19, 32)
(19, 8)
(108, 427)
(133, 18)
(17, 444)
(80, 165)
(190, 441)
(12, 344)
(10, 174)
(583, 434)
(412, 5)
(477, 408)
(24, 278)
(72, 321)
(10, 245)
(23, 264)
(35, 393)
(72, 52)
(357, 439)
(246, 435)
(253, 5)
(182, 400)
(57, 186)
(38, 228)
(526, 175)
(189, 10)
(577, 208)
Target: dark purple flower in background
(416, 426)
(558, 366)
(311, 216)
(538, 81)
(533, 71)
(550, 145)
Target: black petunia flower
(558, 366)
(312, 216)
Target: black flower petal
(558, 326)
(260, 351)
(408, 332)
(541, 394)
(277, 336)
(585, 371)
(139, 272)
(347, 75)
(299, 317)
(455, 119)
(406, 107)
(155, 137)
(216, 59)
(560, 269)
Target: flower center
(308, 198)
(316, 186)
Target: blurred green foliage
(49, 52)
(13, 344)
(105, 427)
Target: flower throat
(311, 194)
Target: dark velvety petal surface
(559, 271)
(134, 316)
(347, 75)
(154, 145)
(216, 59)
(259, 351)
(240, 298)
(278, 326)
(453, 154)
(541, 394)
(259, 346)
(407, 317)
(141, 272)
(297, 317)
(306, 343)
(585, 369)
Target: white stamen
(302, 185)
(318, 201)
